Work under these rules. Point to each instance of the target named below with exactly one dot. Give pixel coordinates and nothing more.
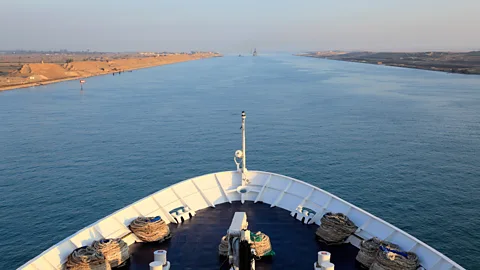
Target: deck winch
(240, 254)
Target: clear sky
(238, 26)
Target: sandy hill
(88, 68)
(49, 71)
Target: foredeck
(194, 244)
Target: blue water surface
(403, 144)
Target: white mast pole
(244, 158)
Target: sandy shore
(36, 74)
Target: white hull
(217, 188)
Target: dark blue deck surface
(194, 244)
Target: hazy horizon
(270, 26)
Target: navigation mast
(244, 158)
(240, 154)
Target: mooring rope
(223, 247)
(392, 259)
(87, 258)
(335, 228)
(115, 250)
(369, 250)
(261, 244)
(150, 229)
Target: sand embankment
(35, 74)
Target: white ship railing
(217, 188)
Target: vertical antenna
(241, 154)
(244, 159)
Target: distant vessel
(255, 52)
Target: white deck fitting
(303, 215)
(183, 214)
(239, 223)
(212, 189)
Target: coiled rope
(150, 229)
(223, 247)
(391, 259)
(335, 228)
(369, 250)
(261, 244)
(114, 250)
(87, 258)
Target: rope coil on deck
(87, 258)
(395, 259)
(261, 244)
(150, 229)
(369, 250)
(115, 250)
(223, 247)
(335, 228)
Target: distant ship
(255, 52)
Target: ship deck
(194, 244)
